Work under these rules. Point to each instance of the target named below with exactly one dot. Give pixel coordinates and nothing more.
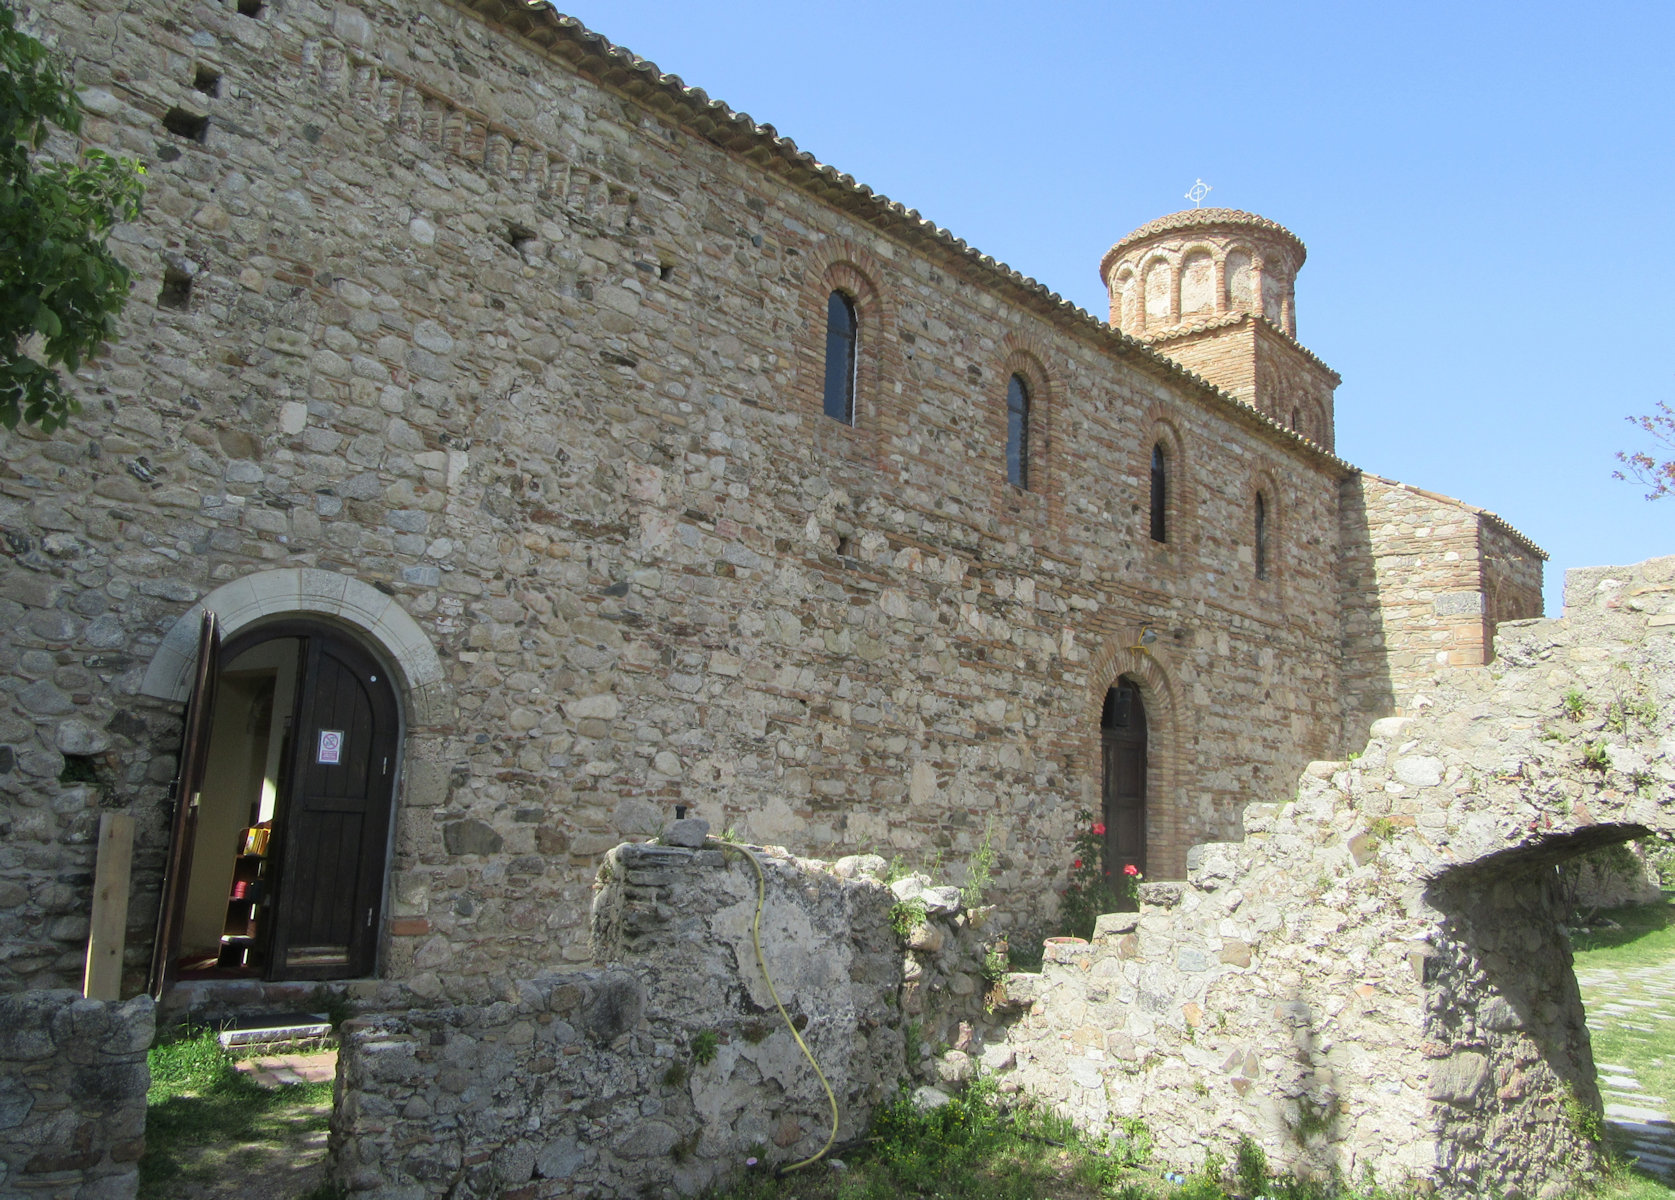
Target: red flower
(1131, 869)
(1077, 863)
(1098, 829)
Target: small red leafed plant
(1092, 891)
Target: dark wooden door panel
(189, 775)
(1123, 746)
(336, 818)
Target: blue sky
(1484, 190)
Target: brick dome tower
(1215, 289)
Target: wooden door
(1123, 740)
(189, 775)
(334, 818)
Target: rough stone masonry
(1379, 976)
(667, 1065)
(465, 335)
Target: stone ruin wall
(544, 368)
(1426, 581)
(590, 1081)
(73, 1080)
(1378, 976)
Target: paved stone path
(1635, 999)
(272, 1070)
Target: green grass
(204, 1119)
(985, 1147)
(1644, 937)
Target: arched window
(1160, 494)
(841, 331)
(1261, 537)
(1017, 432)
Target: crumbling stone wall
(1610, 877)
(668, 1064)
(73, 1080)
(1379, 975)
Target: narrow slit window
(841, 330)
(1261, 537)
(1160, 494)
(1017, 432)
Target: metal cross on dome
(1197, 192)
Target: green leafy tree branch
(60, 287)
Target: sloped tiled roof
(1495, 518)
(1227, 321)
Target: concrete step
(265, 1031)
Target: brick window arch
(1164, 504)
(1158, 510)
(843, 339)
(1264, 532)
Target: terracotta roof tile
(1190, 218)
(1227, 321)
(1521, 538)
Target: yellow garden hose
(756, 937)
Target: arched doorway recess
(280, 843)
(286, 839)
(1122, 737)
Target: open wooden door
(189, 774)
(335, 819)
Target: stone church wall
(1426, 581)
(427, 307)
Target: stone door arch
(358, 646)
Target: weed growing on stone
(1250, 1165)
(996, 962)
(1314, 1117)
(1585, 1120)
(977, 874)
(204, 1119)
(1594, 756)
(705, 1044)
(1575, 704)
(1380, 830)
(906, 916)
